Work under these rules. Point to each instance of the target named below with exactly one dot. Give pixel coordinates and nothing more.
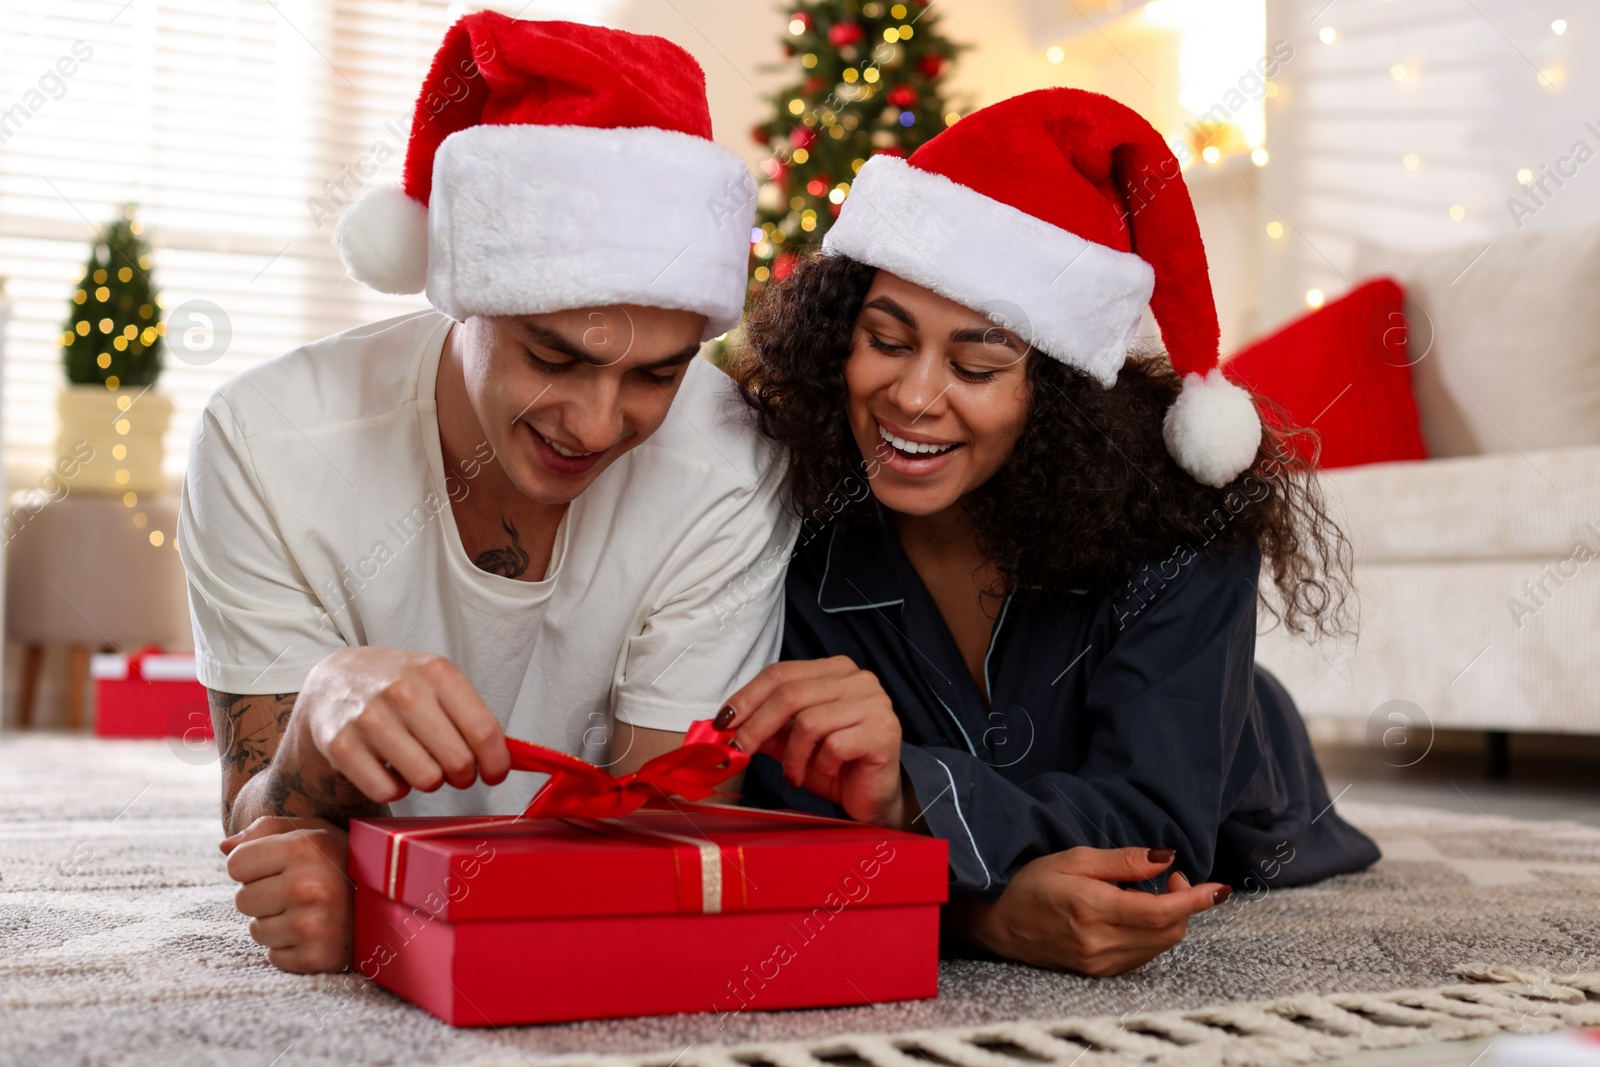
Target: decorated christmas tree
(113, 335)
(870, 80)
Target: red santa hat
(553, 165)
(1060, 214)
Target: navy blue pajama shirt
(1130, 715)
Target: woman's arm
(1163, 732)
(1065, 912)
(1166, 706)
(632, 746)
(835, 732)
(833, 728)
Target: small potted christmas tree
(111, 350)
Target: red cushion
(1343, 372)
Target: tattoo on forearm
(508, 562)
(249, 729)
(296, 792)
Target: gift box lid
(146, 666)
(675, 858)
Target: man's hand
(390, 721)
(1061, 911)
(295, 890)
(835, 730)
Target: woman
(1023, 608)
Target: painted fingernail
(724, 717)
(1162, 855)
(1222, 894)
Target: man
(531, 512)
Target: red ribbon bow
(580, 789)
(136, 661)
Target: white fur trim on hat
(382, 238)
(529, 219)
(1071, 298)
(1212, 429)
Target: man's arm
(631, 746)
(257, 780)
(395, 721)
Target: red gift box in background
(588, 906)
(149, 694)
(680, 908)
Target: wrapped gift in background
(590, 905)
(149, 694)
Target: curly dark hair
(1089, 494)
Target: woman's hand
(835, 731)
(1062, 911)
(390, 721)
(295, 890)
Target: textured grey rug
(119, 943)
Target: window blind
(239, 128)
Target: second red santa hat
(1060, 214)
(554, 165)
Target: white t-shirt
(316, 515)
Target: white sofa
(1477, 570)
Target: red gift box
(149, 694)
(676, 907)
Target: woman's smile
(911, 454)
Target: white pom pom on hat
(1212, 429)
(382, 239)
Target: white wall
(1471, 107)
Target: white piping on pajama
(988, 879)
